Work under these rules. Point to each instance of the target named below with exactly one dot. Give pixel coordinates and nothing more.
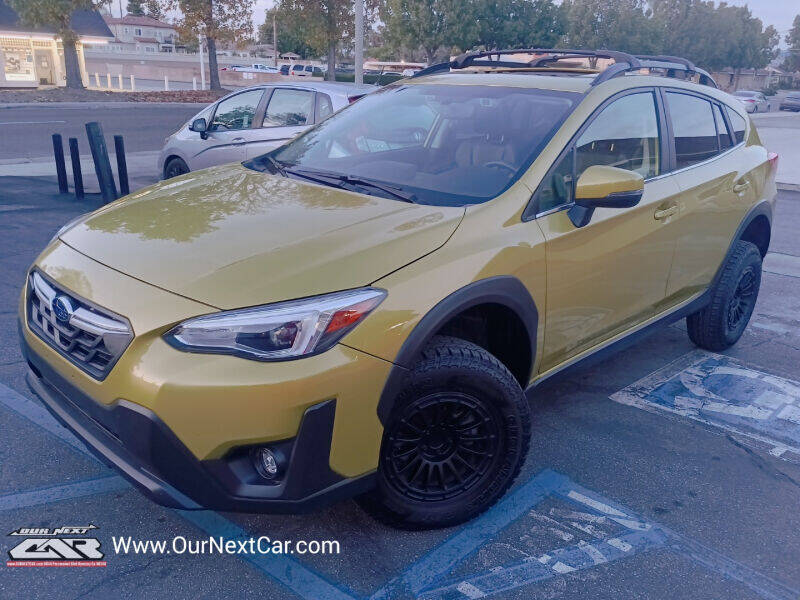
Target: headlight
(277, 331)
(64, 228)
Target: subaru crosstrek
(366, 310)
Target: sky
(779, 13)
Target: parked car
(791, 102)
(366, 310)
(247, 123)
(255, 68)
(753, 101)
(284, 69)
(298, 70)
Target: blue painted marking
(421, 577)
(718, 390)
(66, 491)
(302, 581)
(472, 536)
(557, 562)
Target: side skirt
(613, 346)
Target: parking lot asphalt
(25, 130)
(662, 472)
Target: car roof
(572, 83)
(329, 87)
(565, 81)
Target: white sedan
(754, 102)
(250, 122)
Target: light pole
(274, 42)
(202, 66)
(359, 58)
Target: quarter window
(739, 125)
(722, 129)
(693, 128)
(324, 107)
(236, 112)
(288, 108)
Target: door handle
(740, 187)
(665, 213)
(238, 140)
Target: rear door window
(288, 108)
(693, 128)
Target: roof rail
(623, 62)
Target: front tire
(455, 440)
(175, 166)
(722, 322)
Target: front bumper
(136, 442)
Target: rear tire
(455, 440)
(175, 166)
(722, 322)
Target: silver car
(250, 122)
(754, 102)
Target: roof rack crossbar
(623, 62)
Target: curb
(788, 187)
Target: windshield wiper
(276, 165)
(341, 181)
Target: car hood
(231, 237)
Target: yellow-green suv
(364, 310)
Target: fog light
(266, 463)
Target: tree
(518, 23)
(58, 15)
(625, 25)
(317, 26)
(293, 34)
(135, 7)
(216, 20)
(429, 24)
(792, 62)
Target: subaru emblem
(62, 308)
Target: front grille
(90, 337)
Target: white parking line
(782, 264)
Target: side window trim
(728, 128)
(532, 209)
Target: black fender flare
(761, 209)
(504, 290)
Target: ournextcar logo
(59, 547)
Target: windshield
(439, 144)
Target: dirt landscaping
(68, 95)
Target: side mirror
(200, 126)
(604, 187)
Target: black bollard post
(61, 167)
(102, 164)
(122, 165)
(77, 174)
